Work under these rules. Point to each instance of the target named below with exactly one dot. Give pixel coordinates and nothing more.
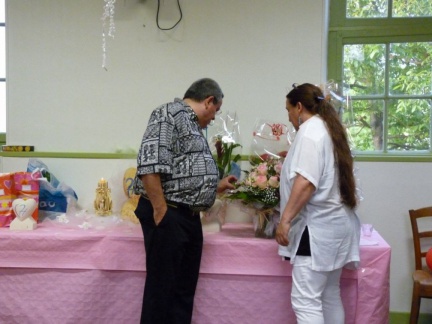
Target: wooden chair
(422, 276)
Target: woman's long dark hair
(312, 99)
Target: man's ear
(208, 101)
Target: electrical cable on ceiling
(157, 16)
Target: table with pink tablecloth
(58, 274)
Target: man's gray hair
(204, 88)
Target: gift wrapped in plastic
(223, 136)
(224, 142)
(54, 196)
(338, 94)
(271, 140)
(259, 190)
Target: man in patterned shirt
(177, 178)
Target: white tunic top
(334, 229)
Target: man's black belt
(178, 205)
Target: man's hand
(158, 214)
(226, 183)
(153, 187)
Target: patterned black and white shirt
(174, 146)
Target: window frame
(3, 135)
(345, 31)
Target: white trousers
(315, 295)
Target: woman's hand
(301, 192)
(282, 233)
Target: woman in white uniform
(319, 230)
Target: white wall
(60, 99)
(390, 190)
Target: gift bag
(7, 195)
(26, 186)
(54, 196)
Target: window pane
(364, 67)
(2, 107)
(2, 69)
(2, 11)
(2, 53)
(409, 125)
(364, 123)
(367, 8)
(411, 68)
(412, 8)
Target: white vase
(236, 212)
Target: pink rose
(273, 182)
(261, 181)
(262, 169)
(278, 167)
(250, 180)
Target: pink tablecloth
(66, 275)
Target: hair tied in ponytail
(326, 98)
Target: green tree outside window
(381, 51)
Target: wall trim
(399, 318)
(70, 155)
(96, 155)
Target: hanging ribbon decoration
(107, 14)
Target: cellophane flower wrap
(270, 140)
(223, 137)
(224, 140)
(260, 187)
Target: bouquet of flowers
(260, 190)
(226, 159)
(224, 141)
(223, 137)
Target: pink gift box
(26, 186)
(7, 195)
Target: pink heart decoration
(8, 184)
(24, 208)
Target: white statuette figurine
(23, 209)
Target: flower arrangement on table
(260, 190)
